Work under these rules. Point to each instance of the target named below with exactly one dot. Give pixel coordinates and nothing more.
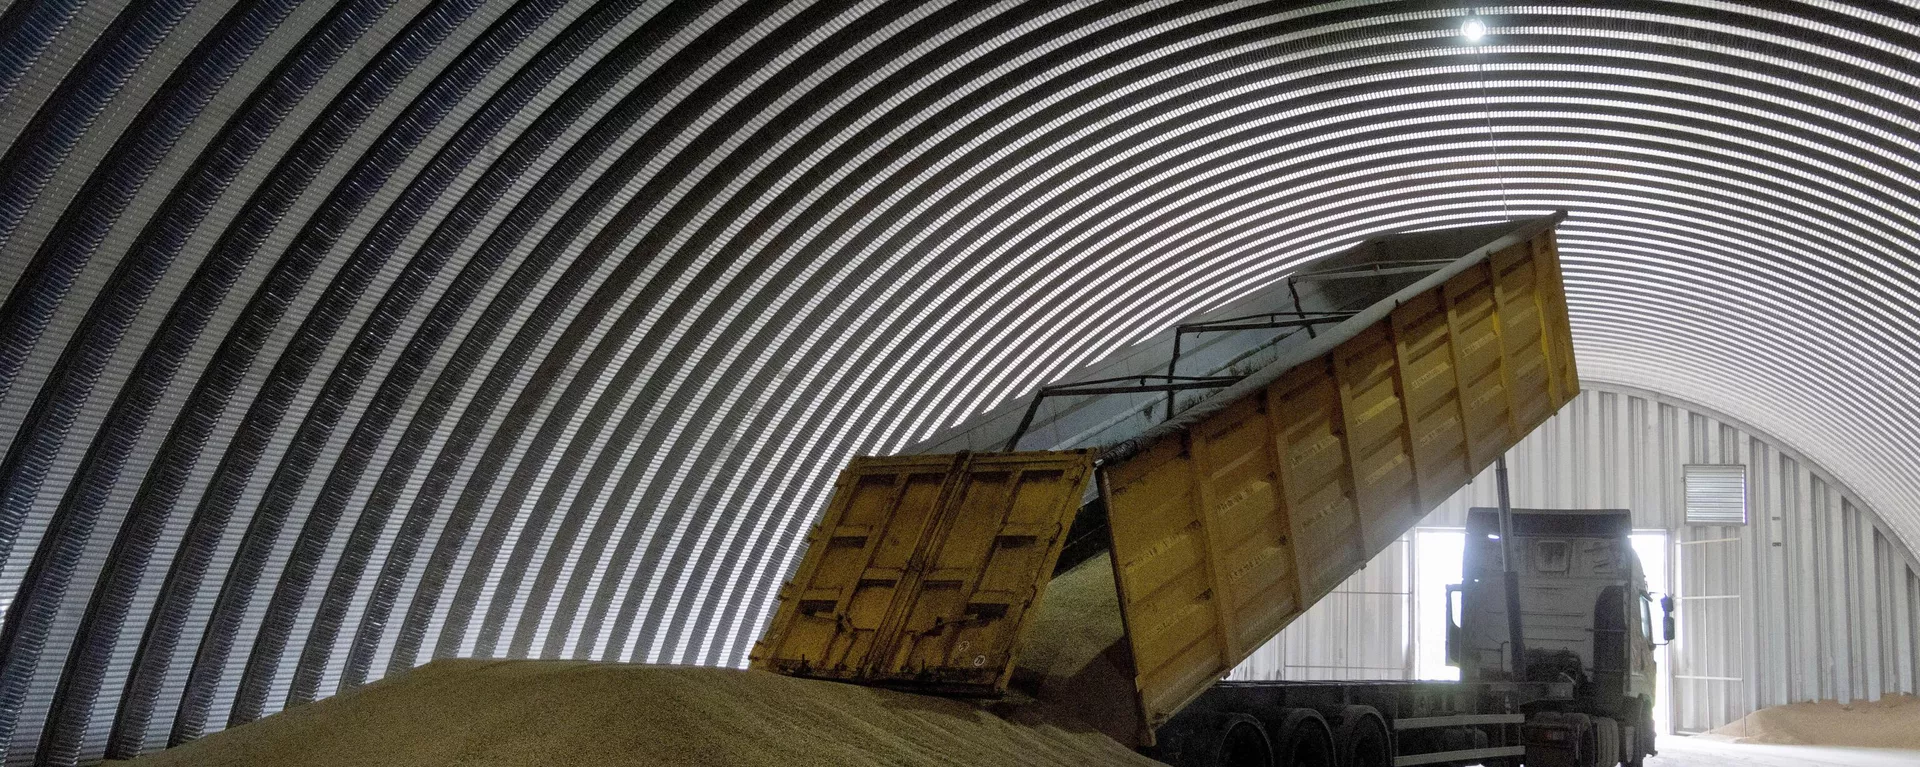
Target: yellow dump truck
(1200, 513)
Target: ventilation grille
(1716, 494)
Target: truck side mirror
(1453, 626)
(1666, 608)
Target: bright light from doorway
(1436, 563)
(1651, 546)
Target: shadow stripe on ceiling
(698, 253)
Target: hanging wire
(1486, 109)
(1053, 421)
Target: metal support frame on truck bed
(1374, 269)
(1173, 384)
(1299, 319)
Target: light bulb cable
(1486, 110)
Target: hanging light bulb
(1474, 29)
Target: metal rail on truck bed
(1226, 521)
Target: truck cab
(1588, 627)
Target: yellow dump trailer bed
(1225, 522)
(1230, 521)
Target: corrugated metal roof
(340, 336)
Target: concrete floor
(1695, 752)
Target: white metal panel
(1809, 600)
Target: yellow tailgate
(923, 569)
(1228, 529)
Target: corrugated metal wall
(1363, 630)
(1814, 598)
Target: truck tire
(1554, 739)
(1643, 744)
(1361, 738)
(1302, 738)
(1630, 754)
(1222, 740)
(1606, 741)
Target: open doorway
(1437, 554)
(1652, 547)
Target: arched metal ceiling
(338, 336)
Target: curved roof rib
(340, 336)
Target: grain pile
(1891, 722)
(1079, 618)
(472, 713)
(1074, 656)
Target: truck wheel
(1303, 740)
(1244, 745)
(1361, 737)
(1633, 756)
(1225, 740)
(1553, 738)
(1606, 741)
(1643, 744)
(1636, 739)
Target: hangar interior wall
(1813, 599)
(339, 336)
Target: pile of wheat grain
(1891, 722)
(473, 713)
